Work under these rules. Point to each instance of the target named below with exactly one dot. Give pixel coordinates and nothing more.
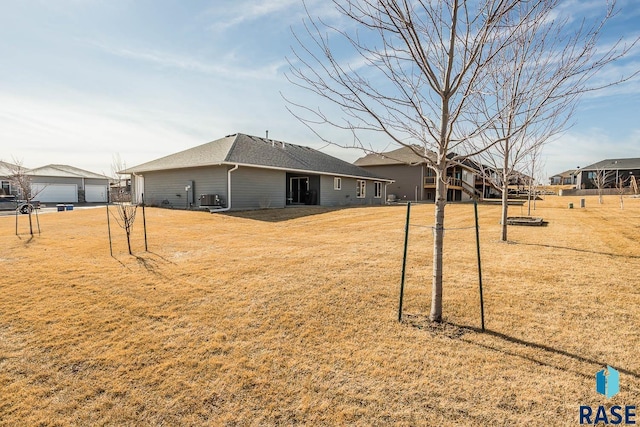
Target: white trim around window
(337, 183)
(361, 189)
(377, 190)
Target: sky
(83, 81)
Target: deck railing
(430, 181)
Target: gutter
(228, 192)
(306, 171)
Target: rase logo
(608, 384)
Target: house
(68, 184)
(247, 172)
(567, 177)
(415, 181)
(612, 169)
(6, 170)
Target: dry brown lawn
(289, 317)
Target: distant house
(68, 184)
(247, 172)
(568, 177)
(613, 170)
(413, 180)
(6, 170)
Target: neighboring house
(517, 179)
(613, 169)
(568, 177)
(247, 172)
(120, 189)
(415, 181)
(6, 170)
(68, 184)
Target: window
(6, 188)
(361, 189)
(337, 183)
(377, 190)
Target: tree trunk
(438, 240)
(129, 241)
(30, 220)
(505, 209)
(505, 192)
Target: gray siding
(170, 185)
(406, 177)
(347, 195)
(254, 188)
(96, 181)
(56, 180)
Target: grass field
(289, 317)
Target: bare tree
(601, 179)
(421, 77)
(125, 210)
(621, 188)
(21, 180)
(634, 184)
(535, 86)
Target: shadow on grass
(282, 214)
(152, 265)
(455, 331)
(588, 251)
(542, 347)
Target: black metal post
(109, 228)
(144, 225)
(475, 208)
(404, 260)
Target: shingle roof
(409, 156)
(255, 151)
(400, 156)
(211, 153)
(612, 164)
(6, 169)
(65, 171)
(566, 173)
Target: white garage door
(95, 193)
(55, 193)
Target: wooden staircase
(470, 190)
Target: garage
(95, 193)
(55, 193)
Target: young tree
(536, 172)
(621, 188)
(535, 86)
(601, 178)
(421, 75)
(126, 211)
(21, 180)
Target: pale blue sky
(81, 80)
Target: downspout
(386, 184)
(421, 182)
(134, 183)
(228, 192)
